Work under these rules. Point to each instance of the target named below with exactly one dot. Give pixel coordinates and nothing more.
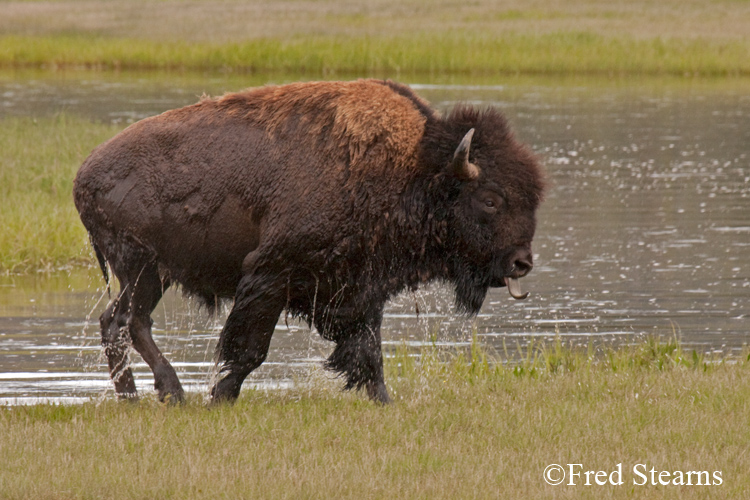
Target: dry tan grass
(235, 20)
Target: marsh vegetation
(383, 37)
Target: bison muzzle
(322, 199)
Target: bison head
(498, 186)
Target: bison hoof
(172, 398)
(220, 399)
(170, 391)
(225, 391)
(378, 393)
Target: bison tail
(102, 264)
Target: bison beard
(322, 199)
(470, 290)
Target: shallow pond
(645, 230)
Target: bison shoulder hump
(364, 118)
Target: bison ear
(460, 166)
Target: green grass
(462, 426)
(482, 37)
(358, 37)
(38, 161)
(435, 54)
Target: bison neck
(406, 245)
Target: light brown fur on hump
(376, 128)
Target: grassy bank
(578, 53)
(38, 161)
(461, 427)
(382, 36)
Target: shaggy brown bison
(322, 199)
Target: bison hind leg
(127, 323)
(359, 359)
(116, 344)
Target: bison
(323, 199)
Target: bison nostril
(522, 267)
(522, 264)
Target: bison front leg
(243, 344)
(358, 355)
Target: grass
(462, 426)
(212, 21)
(578, 53)
(38, 161)
(483, 37)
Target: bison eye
(487, 203)
(490, 206)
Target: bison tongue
(514, 287)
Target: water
(645, 230)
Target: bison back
(291, 170)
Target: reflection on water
(645, 230)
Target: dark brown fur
(324, 199)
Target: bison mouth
(472, 283)
(514, 287)
(513, 284)
(521, 266)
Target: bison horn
(461, 166)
